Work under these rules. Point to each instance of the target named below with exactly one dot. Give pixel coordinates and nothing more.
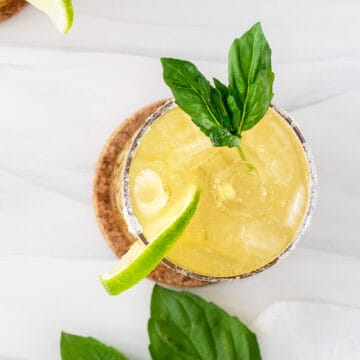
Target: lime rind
(141, 259)
(69, 11)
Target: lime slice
(60, 12)
(141, 259)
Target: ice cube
(226, 191)
(149, 191)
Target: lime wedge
(141, 259)
(60, 12)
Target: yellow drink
(244, 220)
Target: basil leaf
(222, 137)
(230, 104)
(74, 347)
(235, 113)
(195, 95)
(250, 76)
(184, 326)
(224, 91)
(219, 108)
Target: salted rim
(136, 229)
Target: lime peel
(141, 259)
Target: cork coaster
(11, 8)
(111, 225)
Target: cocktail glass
(121, 194)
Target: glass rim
(136, 229)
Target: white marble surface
(60, 99)
(301, 330)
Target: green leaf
(222, 137)
(219, 108)
(230, 104)
(195, 95)
(184, 326)
(250, 76)
(235, 113)
(74, 347)
(224, 91)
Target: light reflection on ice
(295, 207)
(149, 191)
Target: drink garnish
(141, 259)
(224, 112)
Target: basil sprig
(182, 326)
(224, 112)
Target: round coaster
(11, 8)
(113, 228)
